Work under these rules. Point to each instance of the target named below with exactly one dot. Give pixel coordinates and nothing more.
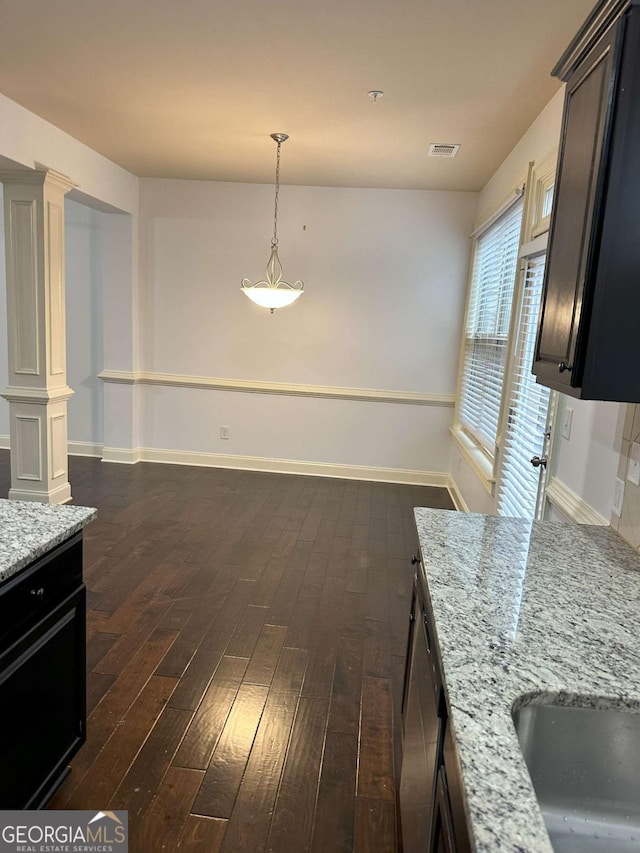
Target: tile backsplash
(628, 523)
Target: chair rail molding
(175, 380)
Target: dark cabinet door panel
(431, 799)
(611, 366)
(442, 838)
(588, 345)
(580, 177)
(422, 739)
(42, 704)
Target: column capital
(17, 394)
(40, 176)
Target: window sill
(482, 466)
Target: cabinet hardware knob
(39, 593)
(563, 366)
(415, 560)
(539, 461)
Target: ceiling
(192, 88)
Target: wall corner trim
(176, 380)
(456, 496)
(572, 505)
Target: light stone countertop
(28, 530)
(520, 608)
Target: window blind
(487, 327)
(518, 487)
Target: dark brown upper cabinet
(588, 342)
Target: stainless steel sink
(585, 768)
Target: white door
(525, 444)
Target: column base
(60, 495)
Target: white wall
(385, 274)
(121, 327)
(471, 489)
(85, 262)
(587, 463)
(339, 432)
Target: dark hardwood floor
(245, 642)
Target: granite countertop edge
(29, 530)
(507, 638)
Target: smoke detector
(443, 149)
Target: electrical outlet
(566, 423)
(618, 497)
(633, 468)
(224, 432)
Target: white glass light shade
(272, 297)
(272, 292)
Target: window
(547, 202)
(486, 333)
(543, 199)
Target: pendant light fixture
(273, 292)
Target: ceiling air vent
(442, 149)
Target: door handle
(539, 461)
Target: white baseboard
(84, 448)
(571, 505)
(456, 495)
(294, 466)
(123, 455)
(559, 495)
(129, 456)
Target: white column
(37, 390)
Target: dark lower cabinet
(421, 733)
(42, 676)
(442, 838)
(430, 795)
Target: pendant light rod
(279, 138)
(272, 292)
